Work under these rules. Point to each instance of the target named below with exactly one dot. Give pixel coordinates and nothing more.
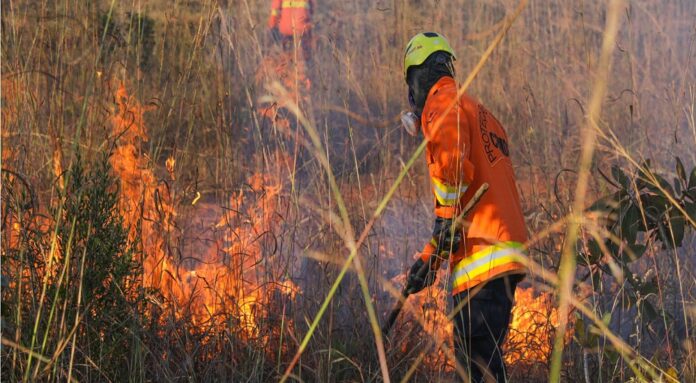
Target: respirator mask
(409, 120)
(420, 80)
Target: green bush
(79, 294)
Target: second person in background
(290, 24)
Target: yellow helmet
(422, 46)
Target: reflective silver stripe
(447, 196)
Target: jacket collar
(443, 82)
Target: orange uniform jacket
(466, 147)
(292, 17)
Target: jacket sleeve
(275, 14)
(429, 251)
(451, 170)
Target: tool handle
(391, 319)
(458, 223)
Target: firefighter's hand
(444, 239)
(421, 275)
(274, 35)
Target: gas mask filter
(409, 120)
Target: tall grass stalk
(579, 87)
(566, 270)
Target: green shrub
(77, 301)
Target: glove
(274, 35)
(421, 275)
(444, 240)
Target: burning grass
(530, 338)
(226, 234)
(228, 282)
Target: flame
(19, 222)
(292, 75)
(141, 196)
(225, 284)
(9, 112)
(437, 324)
(431, 306)
(530, 335)
(532, 329)
(171, 161)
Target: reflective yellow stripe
(295, 4)
(482, 261)
(448, 195)
(483, 269)
(487, 252)
(274, 12)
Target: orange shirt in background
(291, 17)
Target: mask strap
(412, 102)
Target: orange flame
(531, 332)
(531, 335)
(292, 75)
(224, 285)
(9, 112)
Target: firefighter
(290, 24)
(466, 147)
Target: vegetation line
(566, 270)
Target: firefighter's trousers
(480, 328)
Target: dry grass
(243, 216)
